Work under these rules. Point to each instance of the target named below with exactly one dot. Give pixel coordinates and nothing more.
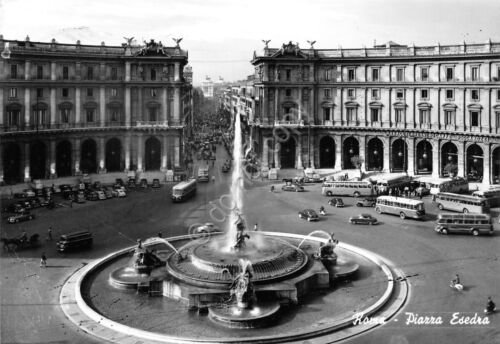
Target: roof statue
(311, 43)
(151, 48)
(129, 40)
(266, 43)
(177, 41)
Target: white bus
(436, 185)
(347, 188)
(493, 196)
(184, 190)
(462, 203)
(474, 224)
(393, 181)
(404, 207)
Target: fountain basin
(259, 315)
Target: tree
(451, 168)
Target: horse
(7, 243)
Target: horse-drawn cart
(12, 244)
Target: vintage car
(26, 216)
(309, 215)
(363, 219)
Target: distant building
(207, 87)
(67, 109)
(399, 108)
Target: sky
(221, 35)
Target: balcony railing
(282, 123)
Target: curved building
(67, 109)
(424, 110)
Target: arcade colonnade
(479, 161)
(58, 156)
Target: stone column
(177, 71)
(2, 105)
(27, 107)
(338, 153)
(177, 151)
(436, 159)
(311, 149)
(1, 173)
(140, 107)
(164, 104)
(102, 106)
(265, 153)
(53, 71)
(177, 105)
(77, 105)
(164, 155)
(76, 155)
(127, 152)
(102, 155)
(276, 152)
(387, 154)
(362, 152)
(27, 70)
(140, 153)
(461, 159)
(127, 71)
(27, 174)
(52, 161)
(127, 104)
(486, 164)
(411, 156)
(53, 106)
(299, 164)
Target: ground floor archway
(88, 157)
(449, 159)
(399, 156)
(38, 160)
(287, 153)
(423, 157)
(63, 158)
(350, 149)
(113, 155)
(152, 153)
(11, 157)
(375, 155)
(475, 163)
(327, 152)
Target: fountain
(236, 281)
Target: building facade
(423, 110)
(67, 109)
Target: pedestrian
(49, 234)
(213, 179)
(255, 227)
(43, 260)
(71, 203)
(160, 235)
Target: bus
(393, 181)
(462, 203)
(436, 185)
(203, 174)
(347, 188)
(474, 224)
(492, 195)
(404, 207)
(184, 190)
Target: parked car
(14, 208)
(74, 240)
(309, 215)
(26, 216)
(80, 197)
(336, 202)
(101, 195)
(313, 179)
(131, 183)
(204, 228)
(226, 167)
(119, 181)
(92, 196)
(156, 183)
(107, 192)
(25, 193)
(143, 183)
(97, 185)
(364, 219)
(366, 202)
(292, 187)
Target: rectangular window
(351, 74)
(375, 74)
(351, 93)
(39, 72)
(424, 73)
(13, 71)
(474, 118)
(450, 94)
(498, 119)
(90, 115)
(39, 116)
(398, 115)
(39, 92)
(114, 92)
(153, 92)
(288, 74)
(305, 73)
(326, 114)
(13, 92)
(474, 73)
(375, 93)
(449, 73)
(400, 94)
(288, 92)
(90, 92)
(425, 116)
(65, 71)
(351, 114)
(65, 115)
(328, 73)
(152, 114)
(474, 95)
(114, 73)
(400, 74)
(114, 115)
(90, 73)
(498, 95)
(327, 93)
(153, 74)
(375, 114)
(424, 94)
(65, 92)
(449, 117)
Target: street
(30, 294)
